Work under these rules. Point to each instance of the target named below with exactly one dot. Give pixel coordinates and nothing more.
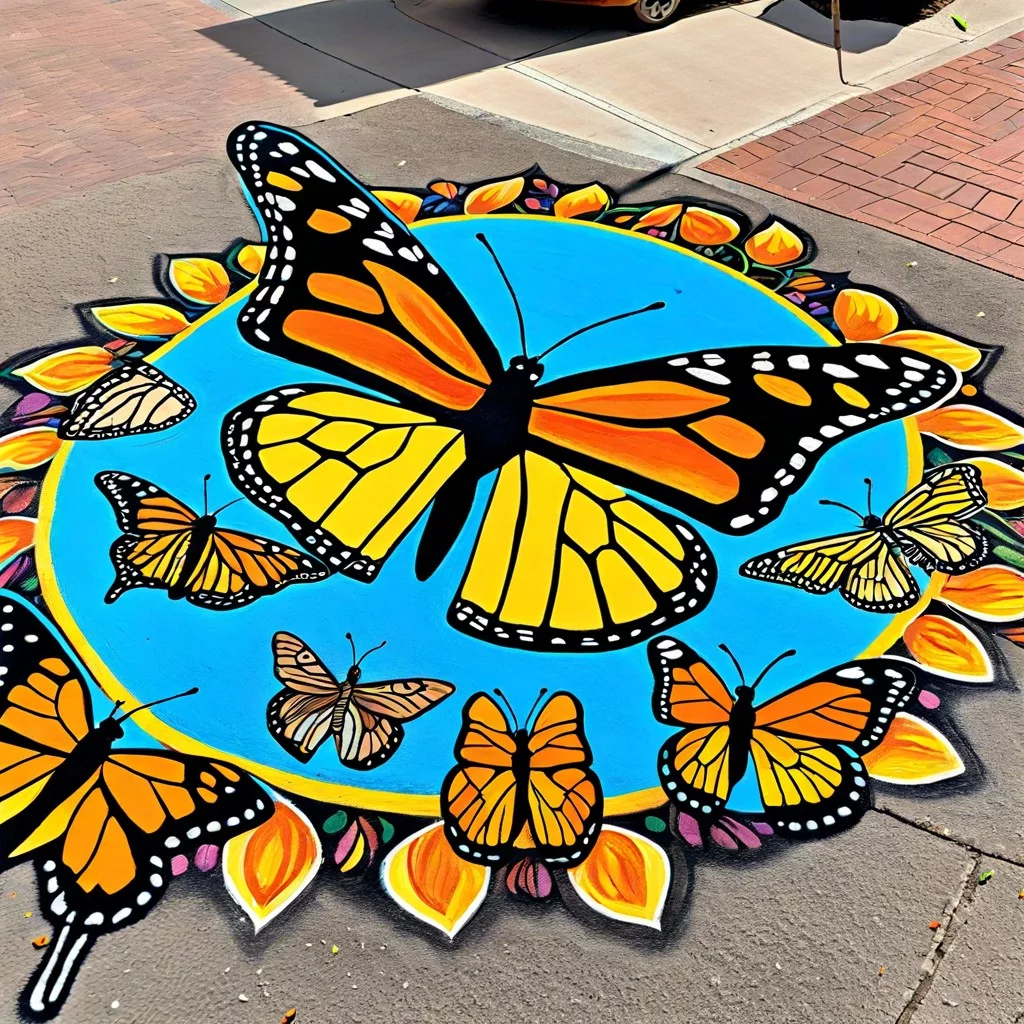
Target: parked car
(650, 13)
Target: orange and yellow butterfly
(566, 558)
(101, 823)
(804, 746)
(167, 546)
(365, 719)
(509, 779)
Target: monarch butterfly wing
(818, 566)
(143, 508)
(810, 782)
(348, 474)
(108, 862)
(930, 520)
(567, 561)
(45, 711)
(881, 583)
(401, 699)
(727, 436)
(297, 665)
(300, 716)
(365, 739)
(137, 399)
(236, 569)
(694, 769)
(687, 691)
(346, 287)
(479, 802)
(564, 795)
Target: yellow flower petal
(993, 593)
(971, 427)
(250, 258)
(17, 534)
(69, 370)
(705, 227)
(266, 869)
(494, 196)
(626, 877)
(141, 319)
(660, 217)
(26, 449)
(947, 648)
(200, 280)
(913, 753)
(404, 205)
(774, 245)
(1003, 484)
(426, 878)
(864, 316)
(949, 350)
(589, 199)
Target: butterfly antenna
(153, 703)
(601, 323)
(383, 643)
(217, 511)
(771, 664)
(206, 494)
(867, 480)
(504, 700)
(839, 504)
(352, 644)
(543, 690)
(739, 668)
(511, 291)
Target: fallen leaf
(335, 950)
(979, 314)
(985, 876)
(881, 971)
(935, 925)
(289, 1016)
(912, 263)
(41, 940)
(960, 21)
(113, 280)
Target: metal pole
(837, 38)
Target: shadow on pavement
(858, 36)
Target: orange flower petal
(864, 316)
(250, 258)
(1003, 484)
(26, 449)
(200, 280)
(448, 189)
(589, 199)
(426, 878)
(266, 869)
(626, 877)
(141, 319)
(69, 370)
(993, 593)
(494, 196)
(705, 227)
(971, 427)
(17, 534)
(659, 217)
(774, 245)
(949, 350)
(947, 648)
(404, 205)
(913, 753)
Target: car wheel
(653, 13)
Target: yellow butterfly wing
(348, 474)
(931, 520)
(566, 561)
(881, 582)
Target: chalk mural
(591, 534)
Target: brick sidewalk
(100, 90)
(939, 158)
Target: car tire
(655, 13)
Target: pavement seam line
(943, 939)
(956, 840)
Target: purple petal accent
(544, 882)
(929, 700)
(762, 828)
(347, 841)
(743, 835)
(689, 829)
(722, 838)
(32, 403)
(15, 570)
(179, 864)
(205, 858)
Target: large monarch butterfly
(565, 558)
(508, 778)
(101, 823)
(871, 566)
(167, 546)
(365, 719)
(803, 746)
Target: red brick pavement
(99, 90)
(939, 158)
